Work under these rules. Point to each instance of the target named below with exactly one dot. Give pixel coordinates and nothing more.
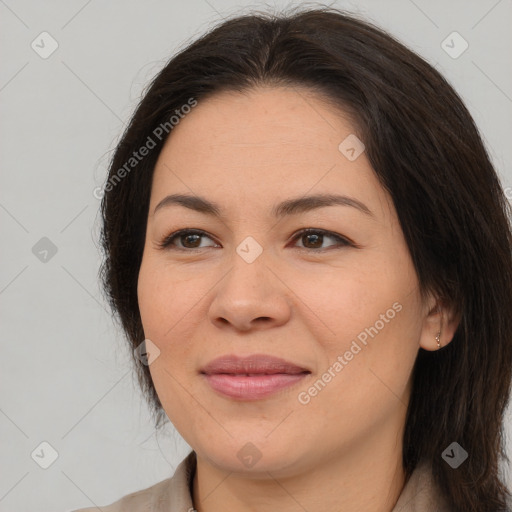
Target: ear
(440, 319)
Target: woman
(314, 273)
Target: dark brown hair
(427, 153)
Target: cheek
(172, 304)
(367, 367)
(371, 316)
(347, 299)
(163, 309)
(167, 300)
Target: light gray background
(64, 369)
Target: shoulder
(169, 494)
(138, 500)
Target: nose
(250, 296)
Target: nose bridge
(249, 268)
(250, 289)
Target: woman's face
(343, 307)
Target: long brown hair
(427, 153)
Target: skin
(342, 450)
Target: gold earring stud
(438, 339)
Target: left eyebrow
(287, 207)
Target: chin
(254, 457)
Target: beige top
(174, 494)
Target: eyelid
(343, 241)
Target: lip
(253, 377)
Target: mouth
(251, 378)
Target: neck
(368, 476)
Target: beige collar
(174, 494)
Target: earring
(438, 339)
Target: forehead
(265, 143)
(264, 116)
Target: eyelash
(166, 243)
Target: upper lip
(253, 364)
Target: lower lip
(252, 387)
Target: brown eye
(188, 238)
(192, 239)
(314, 238)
